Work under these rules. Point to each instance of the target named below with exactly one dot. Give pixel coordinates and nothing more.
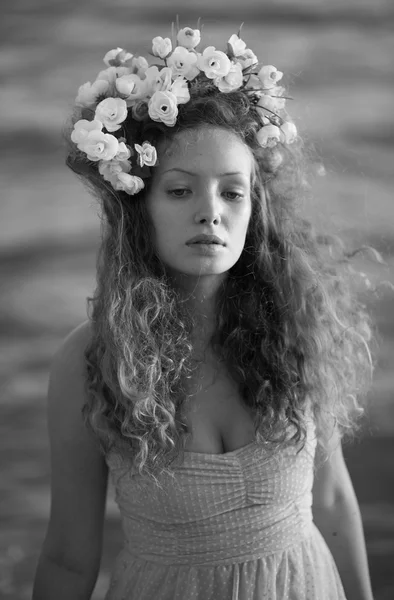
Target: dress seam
(253, 557)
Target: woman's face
(202, 185)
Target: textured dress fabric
(233, 526)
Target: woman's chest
(215, 413)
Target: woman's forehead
(204, 148)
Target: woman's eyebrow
(195, 174)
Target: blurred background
(337, 60)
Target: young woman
(224, 357)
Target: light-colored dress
(237, 527)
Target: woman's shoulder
(69, 363)
(67, 391)
(73, 346)
(79, 337)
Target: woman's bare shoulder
(67, 379)
(74, 344)
(69, 359)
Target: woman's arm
(337, 515)
(71, 554)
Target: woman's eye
(233, 195)
(182, 192)
(178, 192)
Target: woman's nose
(208, 210)
(208, 218)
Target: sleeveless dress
(234, 526)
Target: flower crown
(131, 89)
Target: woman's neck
(200, 294)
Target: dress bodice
(260, 496)
(233, 526)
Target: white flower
(253, 81)
(111, 54)
(163, 107)
(123, 152)
(88, 93)
(268, 104)
(132, 87)
(274, 160)
(147, 154)
(111, 74)
(180, 89)
(161, 47)
(110, 169)
(139, 64)
(139, 110)
(232, 81)
(268, 136)
(82, 129)
(183, 63)
(99, 145)
(128, 183)
(188, 38)
(276, 92)
(117, 57)
(289, 132)
(269, 76)
(237, 46)
(163, 81)
(247, 59)
(157, 81)
(111, 112)
(214, 63)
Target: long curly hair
(289, 325)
